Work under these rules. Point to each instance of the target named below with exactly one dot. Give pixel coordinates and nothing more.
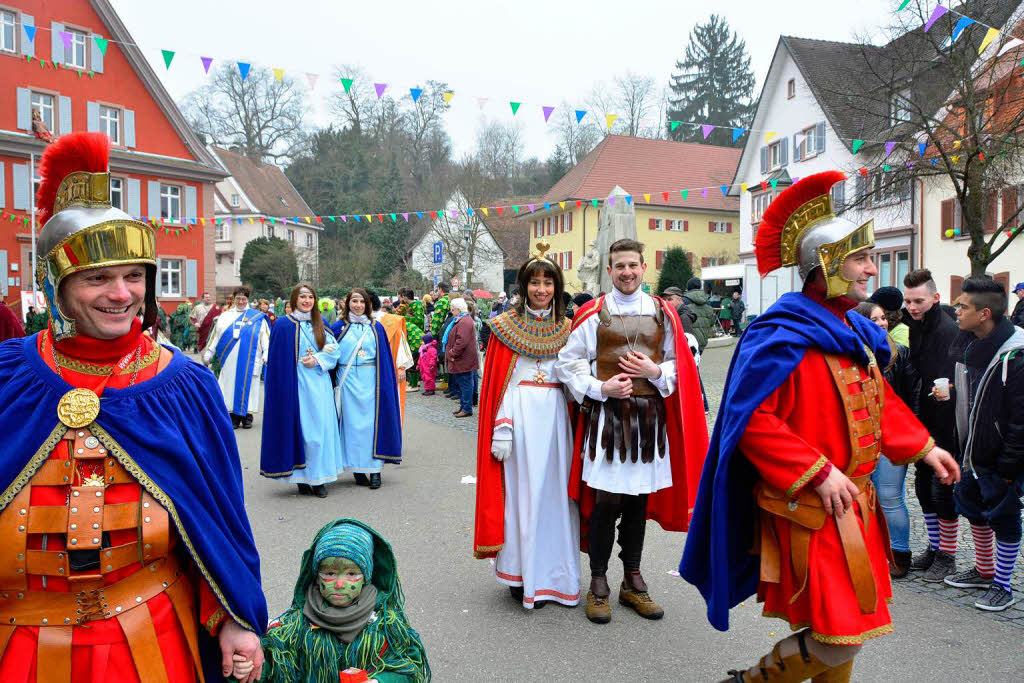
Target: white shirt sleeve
(579, 347)
(666, 384)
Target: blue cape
(171, 433)
(282, 451)
(247, 342)
(388, 420)
(717, 557)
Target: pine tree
(714, 84)
(675, 270)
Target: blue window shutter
(153, 203)
(56, 44)
(3, 193)
(97, 54)
(22, 191)
(64, 106)
(159, 285)
(92, 118)
(819, 135)
(796, 148)
(129, 128)
(28, 47)
(131, 197)
(784, 151)
(3, 272)
(24, 109)
(191, 278)
(764, 159)
(190, 201)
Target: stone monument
(589, 270)
(617, 222)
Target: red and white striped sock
(947, 535)
(984, 547)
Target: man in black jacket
(1017, 317)
(990, 430)
(931, 336)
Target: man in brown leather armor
(124, 544)
(641, 435)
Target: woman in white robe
(240, 341)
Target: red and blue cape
(717, 557)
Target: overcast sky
(538, 52)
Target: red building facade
(74, 63)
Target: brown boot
(900, 567)
(837, 674)
(633, 594)
(774, 668)
(598, 609)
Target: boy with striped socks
(990, 428)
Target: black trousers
(987, 499)
(934, 496)
(631, 511)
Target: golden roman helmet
(81, 230)
(801, 229)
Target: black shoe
(320, 491)
(995, 599)
(375, 480)
(361, 479)
(517, 592)
(539, 604)
(236, 421)
(901, 566)
(924, 559)
(943, 565)
(247, 422)
(305, 490)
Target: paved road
(475, 632)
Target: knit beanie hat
(350, 542)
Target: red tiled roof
(265, 185)
(640, 165)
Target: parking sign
(438, 253)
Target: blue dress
(317, 414)
(358, 398)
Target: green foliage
(675, 270)
(714, 83)
(269, 266)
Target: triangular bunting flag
(664, 196)
(369, 217)
(704, 192)
(168, 57)
(580, 113)
(579, 203)
(243, 69)
(380, 88)
(562, 205)
(357, 217)
(857, 144)
(278, 75)
(484, 209)
(30, 33)
(515, 107)
(611, 200)
(764, 185)
(448, 97)
(629, 199)
(769, 135)
(346, 83)
(725, 190)
(610, 119)
(416, 93)
(963, 23)
(672, 125)
(774, 183)
(101, 43)
(903, 5)
(863, 171)
(380, 217)
(312, 78)
(66, 37)
(515, 208)
(743, 187)
(531, 208)
(990, 35)
(647, 197)
(207, 61)
(921, 146)
(406, 217)
(706, 130)
(419, 214)
(547, 113)
(889, 147)
(500, 210)
(737, 133)
(1007, 46)
(394, 218)
(956, 144)
(936, 15)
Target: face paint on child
(341, 581)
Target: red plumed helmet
(768, 244)
(88, 152)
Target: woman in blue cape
(366, 393)
(301, 444)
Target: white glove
(207, 357)
(330, 348)
(501, 450)
(580, 366)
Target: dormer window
(899, 106)
(283, 201)
(236, 200)
(791, 89)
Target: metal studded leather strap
(145, 648)
(155, 528)
(13, 539)
(53, 659)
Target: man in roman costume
(641, 434)
(786, 506)
(240, 342)
(126, 548)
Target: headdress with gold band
(81, 230)
(800, 228)
(540, 254)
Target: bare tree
(576, 139)
(354, 107)
(930, 108)
(636, 100)
(499, 152)
(261, 115)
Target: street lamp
(467, 234)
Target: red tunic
(100, 652)
(799, 428)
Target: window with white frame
(170, 277)
(309, 239)
(809, 143)
(44, 104)
(791, 89)
(236, 200)
(223, 233)
(270, 231)
(170, 202)
(676, 224)
(8, 21)
(117, 193)
(899, 106)
(110, 123)
(759, 204)
(75, 57)
(291, 236)
(775, 155)
(721, 226)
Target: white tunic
(618, 477)
(542, 526)
(229, 368)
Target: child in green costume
(347, 612)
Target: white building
(246, 201)
(455, 236)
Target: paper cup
(942, 388)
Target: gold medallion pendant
(78, 408)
